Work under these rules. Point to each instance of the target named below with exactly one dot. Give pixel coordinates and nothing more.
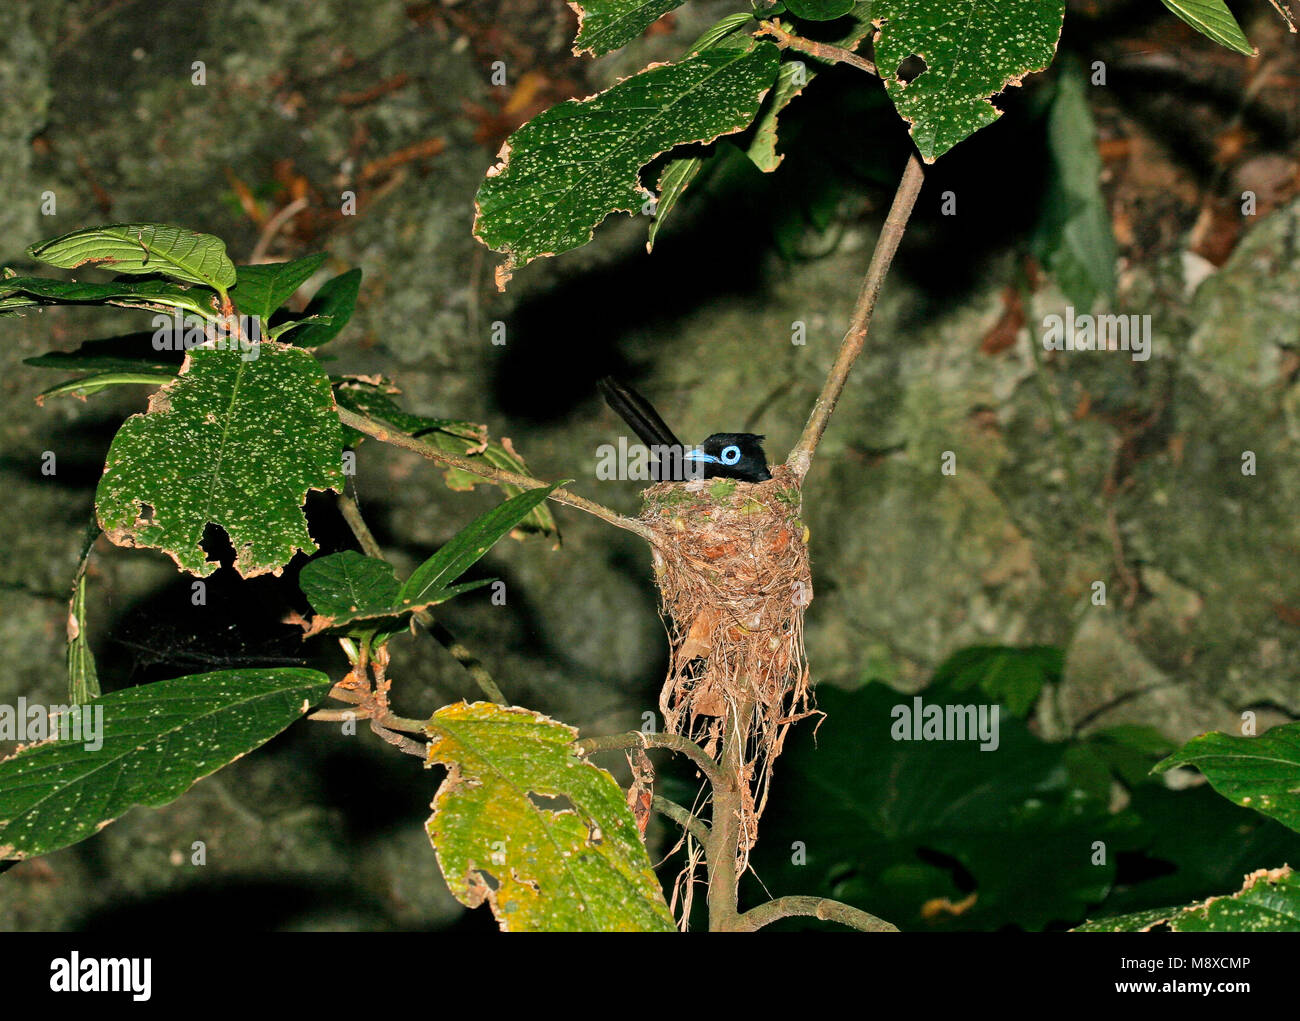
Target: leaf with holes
(235, 441)
(1213, 19)
(154, 741)
(605, 25)
(143, 248)
(1268, 901)
(1261, 772)
(573, 165)
(543, 836)
(260, 290)
(972, 50)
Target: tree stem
(800, 459)
(723, 849)
(822, 51)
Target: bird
(721, 456)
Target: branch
(722, 852)
(891, 234)
(822, 51)
(811, 907)
(673, 742)
(389, 434)
(692, 824)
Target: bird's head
(732, 456)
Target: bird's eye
(730, 454)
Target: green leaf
(143, 248)
(356, 593)
(724, 28)
(682, 171)
(1269, 901)
(819, 10)
(1261, 772)
(348, 583)
(83, 678)
(88, 386)
(571, 166)
(1013, 676)
(870, 808)
(467, 546)
(972, 50)
(1192, 842)
(328, 312)
(1129, 750)
(231, 441)
(605, 25)
(260, 290)
(1213, 19)
(157, 740)
(794, 78)
(676, 178)
(132, 352)
(543, 836)
(1074, 238)
(38, 292)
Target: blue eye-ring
(730, 454)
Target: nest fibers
(732, 569)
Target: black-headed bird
(721, 456)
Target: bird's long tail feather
(638, 413)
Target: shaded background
(1080, 469)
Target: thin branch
(891, 234)
(822, 51)
(673, 742)
(404, 744)
(692, 824)
(388, 434)
(273, 227)
(1286, 14)
(811, 907)
(462, 655)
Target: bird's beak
(699, 455)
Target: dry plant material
(731, 563)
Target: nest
(732, 570)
